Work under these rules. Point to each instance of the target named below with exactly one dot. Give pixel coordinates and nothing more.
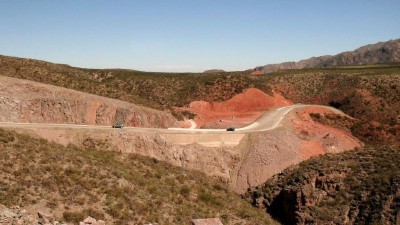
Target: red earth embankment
(238, 111)
(298, 138)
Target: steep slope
(296, 140)
(27, 101)
(379, 53)
(357, 187)
(368, 93)
(73, 183)
(255, 158)
(238, 111)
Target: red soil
(319, 139)
(310, 148)
(257, 73)
(238, 111)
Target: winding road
(208, 137)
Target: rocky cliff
(379, 53)
(359, 187)
(27, 101)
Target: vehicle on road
(230, 129)
(117, 125)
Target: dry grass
(166, 90)
(119, 187)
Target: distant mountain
(381, 52)
(214, 71)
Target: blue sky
(191, 35)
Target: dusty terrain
(71, 183)
(240, 110)
(28, 101)
(251, 161)
(257, 157)
(367, 93)
(298, 139)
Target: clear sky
(191, 35)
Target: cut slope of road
(28, 101)
(244, 158)
(207, 137)
(238, 111)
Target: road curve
(180, 136)
(268, 121)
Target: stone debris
(18, 216)
(210, 221)
(91, 221)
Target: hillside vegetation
(368, 93)
(357, 187)
(120, 188)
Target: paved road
(267, 121)
(182, 136)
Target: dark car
(117, 125)
(230, 129)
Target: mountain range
(378, 53)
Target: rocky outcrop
(27, 101)
(91, 221)
(256, 158)
(19, 216)
(382, 52)
(298, 139)
(359, 187)
(211, 221)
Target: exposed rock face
(359, 187)
(213, 221)
(27, 101)
(238, 111)
(382, 52)
(257, 157)
(268, 153)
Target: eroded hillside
(370, 94)
(73, 183)
(27, 101)
(357, 187)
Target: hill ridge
(378, 53)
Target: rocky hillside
(370, 94)
(379, 53)
(110, 186)
(27, 101)
(358, 187)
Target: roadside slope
(244, 158)
(28, 101)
